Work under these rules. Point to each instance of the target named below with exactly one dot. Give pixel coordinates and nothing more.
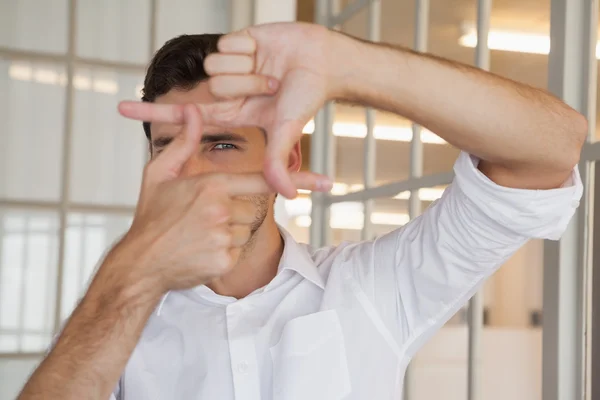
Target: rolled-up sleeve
(417, 277)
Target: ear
(295, 160)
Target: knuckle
(216, 212)
(247, 64)
(219, 238)
(222, 260)
(211, 63)
(217, 85)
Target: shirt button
(242, 367)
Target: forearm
(496, 119)
(96, 343)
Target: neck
(257, 266)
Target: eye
(225, 146)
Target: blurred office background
(70, 166)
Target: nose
(196, 165)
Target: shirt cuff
(542, 214)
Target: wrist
(347, 71)
(123, 282)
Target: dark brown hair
(178, 64)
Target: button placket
(243, 355)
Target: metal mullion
(593, 302)
(393, 188)
(82, 226)
(16, 332)
(586, 216)
(370, 150)
(66, 156)
(27, 204)
(475, 320)
(572, 73)
(82, 207)
(153, 34)
(416, 145)
(101, 209)
(41, 57)
(23, 288)
(117, 65)
(36, 56)
(21, 356)
(47, 291)
(2, 235)
(591, 151)
(153, 27)
(319, 151)
(348, 12)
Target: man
(206, 298)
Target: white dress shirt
(343, 322)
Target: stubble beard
(261, 202)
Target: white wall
(13, 374)
(511, 365)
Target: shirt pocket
(309, 361)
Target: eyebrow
(207, 138)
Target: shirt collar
(297, 257)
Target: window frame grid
(71, 61)
(321, 161)
(574, 240)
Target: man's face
(238, 150)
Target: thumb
(169, 163)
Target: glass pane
(14, 374)
(108, 150)
(31, 129)
(176, 17)
(39, 25)
(115, 30)
(28, 261)
(9, 343)
(88, 238)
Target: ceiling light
(106, 86)
(20, 72)
(340, 189)
(82, 82)
(46, 76)
(522, 42)
(381, 132)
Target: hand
(187, 231)
(276, 76)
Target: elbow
(576, 132)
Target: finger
(242, 212)
(169, 163)
(218, 64)
(281, 142)
(240, 234)
(249, 184)
(311, 181)
(236, 86)
(151, 112)
(219, 238)
(238, 43)
(211, 114)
